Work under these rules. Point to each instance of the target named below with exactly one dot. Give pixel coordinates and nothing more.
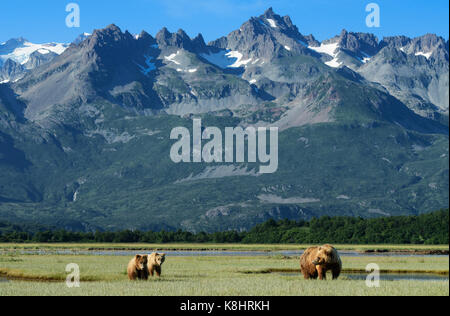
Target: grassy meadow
(205, 276)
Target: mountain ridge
(84, 137)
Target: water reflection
(385, 276)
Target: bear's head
(141, 261)
(160, 258)
(325, 255)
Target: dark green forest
(430, 229)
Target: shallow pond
(400, 277)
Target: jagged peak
(182, 33)
(199, 40)
(287, 20)
(180, 39)
(110, 28)
(111, 31)
(163, 31)
(269, 13)
(144, 34)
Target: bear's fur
(155, 261)
(137, 268)
(316, 261)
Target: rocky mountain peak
(275, 21)
(180, 39)
(12, 44)
(199, 42)
(81, 38)
(109, 36)
(266, 36)
(145, 36)
(358, 43)
(428, 45)
(269, 13)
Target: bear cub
(155, 261)
(137, 268)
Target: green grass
(204, 276)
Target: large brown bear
(316, 261)
(137, 268)
(155, 261)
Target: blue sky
(44, 20)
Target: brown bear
(137, 268)
(155, 261)
(316, 261)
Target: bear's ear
(138, 257)
(163, 255)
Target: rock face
(11, 71)
(415, 71)
(360, 44)
(84, 133)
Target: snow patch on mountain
(426, 55)
(227, 59)
(187, 70)
(335, 63)
(172, 58)
(329, 49)
(366, 58)
(21, 52)
(332, 50)
(272, 23)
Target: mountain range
(85, 127)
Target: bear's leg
(145, 274)
(306, 275)
(151, 270)
(314, 274)
(322, 273)
(132, 276)
(158, 271)
(336, 272)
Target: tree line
(430, 229)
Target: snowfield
(227, 59)
(22, 52)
